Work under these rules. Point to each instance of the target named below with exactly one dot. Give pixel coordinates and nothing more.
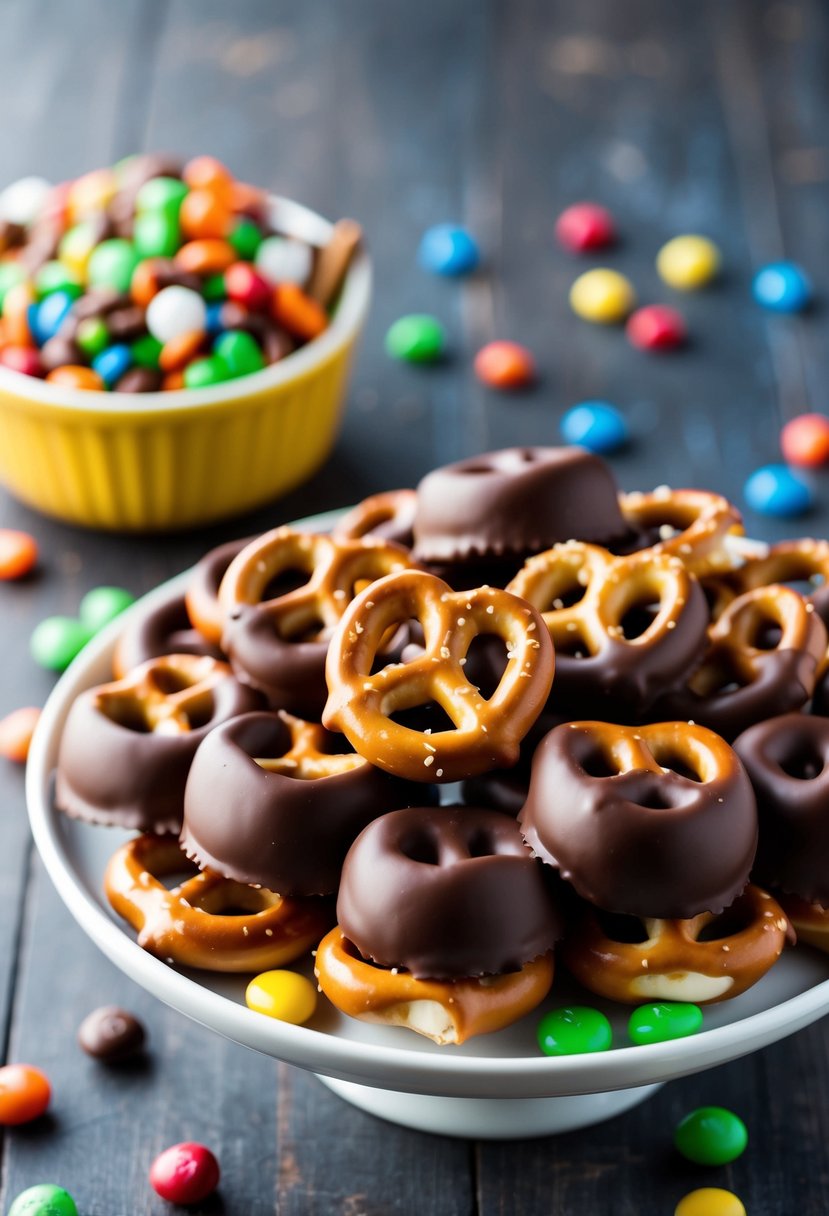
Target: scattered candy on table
(782, 287)
(111, 1034)
(284, 995)
(574, 1030)
(805, 440)
(688, 262)
(45, 1199)
(595, 425)
(663, 1021)
(710, 1201)
(585, 226)
(775, 490)
(504, 365)
(711, 1135)
(16, 731)
(102, 605)
(18, 553)
(57, 640)
(602, 296)
(417, 338)
(185, 1173)
(656, 327)
(24, 1094)
(448, 249)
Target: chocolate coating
(650, 842)
(205, 578)
(164, 629)
(111, 1035)
(389, 515)
(286, 833)
(787, 759)
(121, 774)
(446, 892)
(515, 501)
(288, 674)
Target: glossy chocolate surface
(446, 892)
(164, 629)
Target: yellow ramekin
(154, 461)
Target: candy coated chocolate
(650, 841)
(787, 759)
(517, 500)
(429, 889)
(287, 830)
(111, 1034)
(163, 629)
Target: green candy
(145, 351)
(711, 1135)
(44, 1200)
(102, 605)
(240, 352)
(54, 276)
(156, 234)
(111, 264)
(92, 336)
(416, 339)
(11, 273)
(246, 238)
(201, 373)
(162, 195)
(663, 1021)
(574, 1030)
(213, 288)
(57, 640)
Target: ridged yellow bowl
(154, 461)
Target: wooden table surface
(706, 117)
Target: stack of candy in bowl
(156, 275)
(621, 701)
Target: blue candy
(782, 287)
(595, 425)
(214, 318)
(46, 318)
(776, 490)
(112, 363)
(448, 249)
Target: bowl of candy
(174, 343)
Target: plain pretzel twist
(695, 524)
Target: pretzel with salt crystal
(692, 525)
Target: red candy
(804, 441)
(185, 1173)
(245, 286)
(585, 226)
(504, 365)
(22, 359)
(656, 327)
(24, 1094)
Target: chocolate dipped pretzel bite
(278, 645)
(164, 629)
(692, 525)
(275, 801)
(624, 628)
(388, 516)
(202, 595)
(207, 921)
(127, 747)
(446, 925)
(486, 732)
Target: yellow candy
(91, 193)
(282, 994)
(602, 296)
(710, 1201)
(688, 262)
(75, 248)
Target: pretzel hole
(480, 844)
(733, 920)
(638, 618)
(597, 764)
(427, 716)
(199, 712)
(127, 712)
(618, 927)
(654, 799)
(169, 681)
(765, 635)
(805, 764)
(233, 899)
(572, 643)
(486, 662)
(420, 847)
(285, 581)
(718, 677)
(677, 764)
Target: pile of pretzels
(511, 716)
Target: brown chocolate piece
(653, 821)
(446, 893)
(111, 1035)
(57, 352)
(515, 501)
(98, 302)
(140, 380)
(125, 323)
(277, 802)
(164, 629)
(787, 759)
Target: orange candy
(16, 315)
(178, 352)
(144, 282)
(804, 440)
(297, 312)
(172, 381)
(208, 255)
(24, 1094)
(18, 553)
(205, 214)
(504, 365)
(16, 731)
(207, 173)
(75, 375)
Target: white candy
(174, 311)
(22, 201)
(281, 260)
